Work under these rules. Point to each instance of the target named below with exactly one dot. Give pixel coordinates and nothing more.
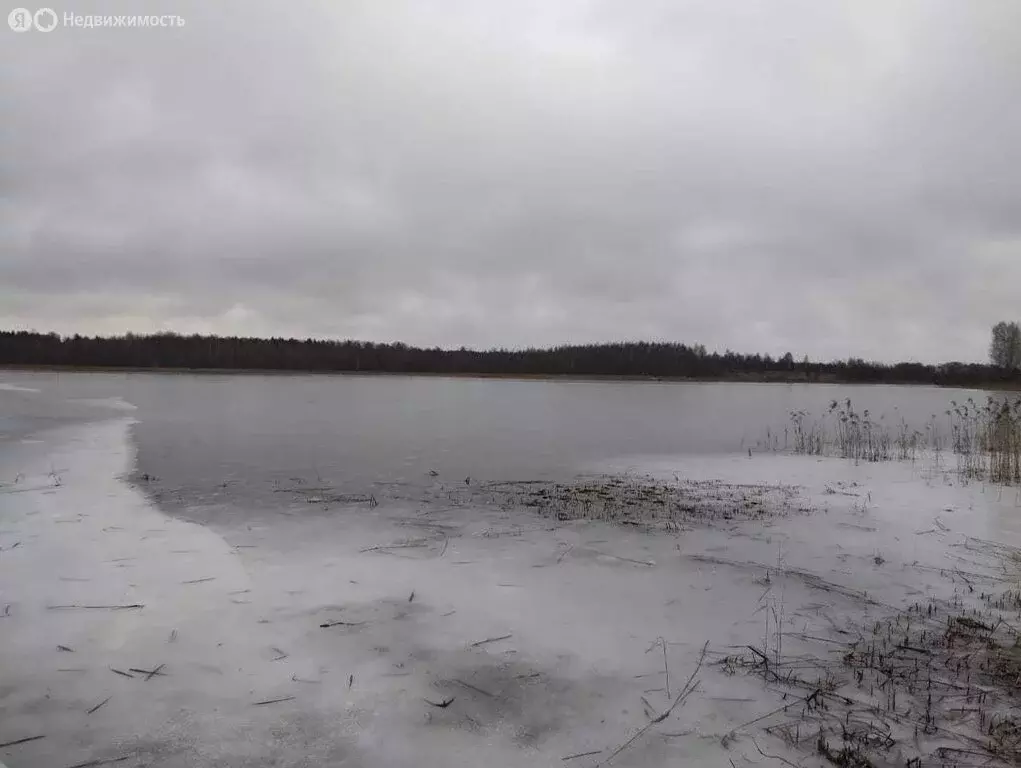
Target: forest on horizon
(625, 359)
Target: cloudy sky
(827, 178)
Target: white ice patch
(7, 387)
(115, 403)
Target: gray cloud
(829, 178)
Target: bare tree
(1005, 348)
(998, 345)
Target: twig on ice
(94, 763)
(441, 704)
(686, 691)
(581, 754)
(99, 705)
(490, 640)
(272, 701)
(21, 741)
(473, 688)
(150, 673)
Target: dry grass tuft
(984, 439)
(641, 500)
(936, 684)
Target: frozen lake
(215, 439)
(454, 623)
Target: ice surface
(114, 403)
(246, 675)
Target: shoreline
(567, 378)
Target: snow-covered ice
(542, 634)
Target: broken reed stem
(473, 688)
(272, 701)
(107, 761)
(689, 686)
(490, 640)
(154, 672)
(16, 742)
(149, 673)
(666, 668)
(440, 704)
(582, 754)
(774, 757)
(99, 705)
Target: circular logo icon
(20, 20)
(45, 19)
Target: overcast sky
(827, 178)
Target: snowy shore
(453, 636)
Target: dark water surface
(212, 438)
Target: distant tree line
(639, 359)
